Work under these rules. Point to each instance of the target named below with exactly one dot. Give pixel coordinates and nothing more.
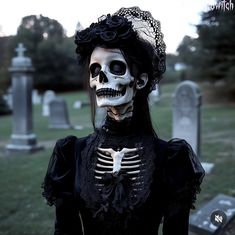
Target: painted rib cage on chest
(127, 160)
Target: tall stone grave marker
(22, 139)
(186, 114)
(59, 118)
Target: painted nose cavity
(102, 77)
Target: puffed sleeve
(58, 187)
(183, 177)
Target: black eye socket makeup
(117, 67)
(95, 69)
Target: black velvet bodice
(170, 176)
(122, 193)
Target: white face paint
(110, 77)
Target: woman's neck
(119, 113)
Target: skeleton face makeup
(110, 77)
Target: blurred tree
(57, 63)
(171, 61)
(188, 57)
(171, 75)
(4, 63)
(217, 44)
(52, 53)
(187, 50)
(35, 29)
(211, 56)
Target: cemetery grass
(23, 210)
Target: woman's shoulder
(59, 177)
(181, 156)
(69, 141)
(178, 155)
(66, 146)
(183, 171)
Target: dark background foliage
(51, 51)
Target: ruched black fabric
(58, 186)
(175, 176)
(59, 179)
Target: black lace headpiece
(125, 27)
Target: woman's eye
(117, 67)
(95, 70)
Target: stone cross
(23, 140)
(20, 50)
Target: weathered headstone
(154, 96)
(187, 116)
(47, 98)
(36, 98)
(59, 118)
(8, 98)
(22, 139)
(4, 108)
(214, 216)
(100, 116)
(77, 104)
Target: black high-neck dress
(158, 186)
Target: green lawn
(23, 210)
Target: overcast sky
(177, 17)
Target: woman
(122, 179)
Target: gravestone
(186, 114)
(154, 95)
(49, 95)
(22, 139)
(214, 217)
(77, 104)
(100, 116)
(4, 108)
(36, 98)
(58, 118)
(187, 117)
(8, 98)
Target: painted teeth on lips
(110, 92)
